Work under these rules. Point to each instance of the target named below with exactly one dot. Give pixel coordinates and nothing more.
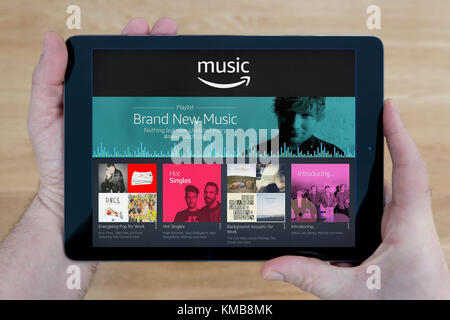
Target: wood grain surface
(416, 36)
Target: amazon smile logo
(228, 67)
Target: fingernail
(273, 275)
(44, 48)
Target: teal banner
(142, 126)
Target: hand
(45, 119)
(410, 257)
(32, 260)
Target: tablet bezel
(78, 145)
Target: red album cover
(141, 178)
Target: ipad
(223, 147)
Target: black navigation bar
(224, 73)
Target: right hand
(410, 257)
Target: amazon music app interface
(223, 148)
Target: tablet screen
(224, 148)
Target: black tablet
(223, 147)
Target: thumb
(48, 76)
(47, 83)
(310, 275)
(410, 185)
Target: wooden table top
(416, 36)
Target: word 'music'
(233, 66)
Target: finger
(387, 192)
(137, 26)
(308, 274)
(409, 177)
(164, 26)
(48, 76)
